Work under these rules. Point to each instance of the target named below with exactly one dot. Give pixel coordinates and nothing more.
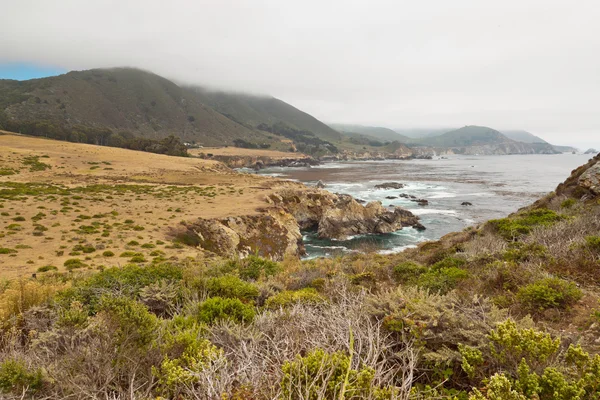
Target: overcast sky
(507, 64)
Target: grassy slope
(253, 110)
(491, 312)
(523, 136)
(380, 133)
(466, 136)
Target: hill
(380, 133)
(256, 111)
(523, 136)
(121, 309)
(103, 106)
(466, 136)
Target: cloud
(513, 64)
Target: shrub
(230, 286)
(522, 224)
(322, 375)
(254, 267)
(289, 297)
(108, 253)
(19, 219)
(138, 259)
(160, 297)
(520, 252)
(148, 246)
(129, 321)
(187, 355)
(218, 308)
(549, 293)
(442, 280)
(74, 263)
(130, 254)
(408, 271)
(593, 243)
(47, 268)
(568, 203)
(5, 250)
(17, 378)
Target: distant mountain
(466, 136)
(482, 140)
(591, 151)
(377, 132)
(523, 136)
(254, 111)
(146, 105)
(419, 133)
(565, 149)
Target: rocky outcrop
(584, 182)
(389, 185)
(590, 179)
(272, 235)
(338, 216)
(260, 162)
(275, 232)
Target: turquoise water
(495, 185)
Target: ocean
(495, 186)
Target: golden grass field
(62, 201)
(240, 152)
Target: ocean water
(495, 185)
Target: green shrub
(34, 164)
(138, 259)
(16, 377)
(230, 286)
(74, 263)
(148, 246)
(522, 224)
(108, 253)
(218, 308)
(549, 293)
(568, 203)
(133, 243)
(442, 280)
(130, 254)
(322, 375)
(131, 323)
(19, 219)
(47, 268)
(520, 252)
(289, 297)
(254, 267)
(593, 242)
(5, 250)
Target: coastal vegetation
(120, 309)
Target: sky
(510, 64)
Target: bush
(289, 297)
(522, 224)
(593, 243)
(254, 267)
(568, 203)
(5, 250)
(47, 268)
(16, 377)
(230, 286)
(520, 252)
(218, 308)
(442, 280)
(74, 263)
(549, 293)
(408, 271)
(322, 375)
(108, 253)
(130, 322)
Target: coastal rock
(390, 185)
(590, 179)
(391, 197)
(466, 203)
(273, 235)
(338, 216)
(320, 185)
(421, 202)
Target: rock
(421, 202)
(391, 197)
(590, 179)
(273, 235)
(320, 184)
(338, 216)
(390, 185)
(361, 201)
(466, 203)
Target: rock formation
(390, 185)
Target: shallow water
(495, 185)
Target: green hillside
(255, 111)
(523, 136)
(380, 133)
(120, 99)
(467, 136)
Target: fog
(509, 64)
